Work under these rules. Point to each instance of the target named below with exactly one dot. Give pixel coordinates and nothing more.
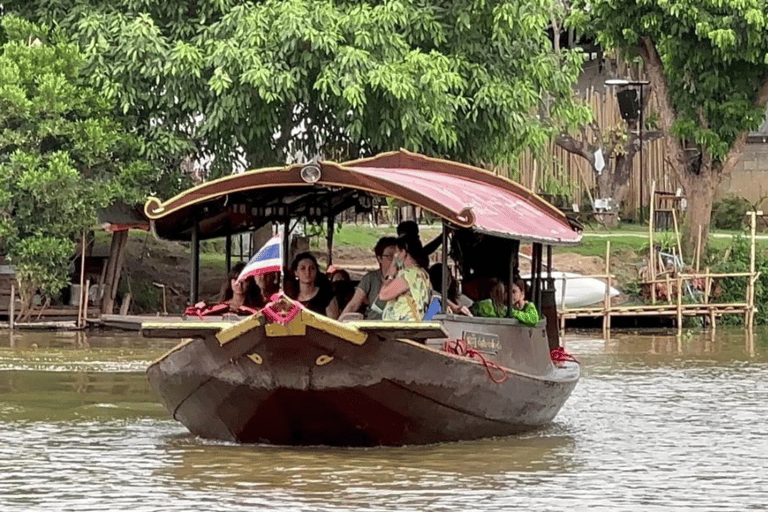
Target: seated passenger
(494, 307)
(315, 294)
(341, 284)
(525, 312)
(269, 284)
(367, 290)
(245, 293)
(436, 280)
(406, 285)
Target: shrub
(730, 212)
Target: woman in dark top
(314, 294)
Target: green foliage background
(250, 84)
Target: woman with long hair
(406, 285)
(243, 293)
(314, 294)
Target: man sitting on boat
(406, 285)
(367, 290)
(312, 291)
(495, 306)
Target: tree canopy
(61, 155)
(257, 83)
(707, 61)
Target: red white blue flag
(267, 259)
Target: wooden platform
(133, 322)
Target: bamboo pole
(652, 258)
(749, 315)
(82, 281)
(707, 284)
(607, 302)
(85, 303)
(679, 305)
(698, 248)
(677, 236)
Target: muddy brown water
(656, 423)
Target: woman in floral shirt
(406, 285)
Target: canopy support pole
(286, 243)
(194, 264)
(444, 283)
(228, 249)
(329, 238)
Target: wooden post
(82, 281)
(707, 285)
(677, 237)
(698, 249)
(12, 308)
(607, 301)
(652, 257)
(84, 302)
(679, 304)
(750, 313)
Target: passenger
(406, 284)
(436, 280)
(525, 312)
(336, 274)
(244, 293)
(312, 291)
(495, 307)
(269, 284)
(341, 284)
(411, 228)
(367, 290)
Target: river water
(656, 423)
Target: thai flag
(268, 259)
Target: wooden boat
(290, 376)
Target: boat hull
(304, 385)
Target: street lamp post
(621, 82)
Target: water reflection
(475, 463)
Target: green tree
(61, 156)
(258, 83)
(707, 61)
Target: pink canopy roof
(486, 208)
(463, 195)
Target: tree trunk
(700, 193)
